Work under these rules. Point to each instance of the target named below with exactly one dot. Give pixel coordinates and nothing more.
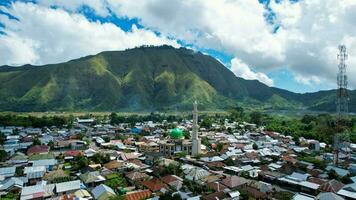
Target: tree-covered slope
(145, 78)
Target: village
(171, 160)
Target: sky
(290, 44)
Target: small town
(171, 160)
(177, 100)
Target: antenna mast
(342, 99)
(342, 95)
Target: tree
(236, 113)
(80, 162)
(229, 162)
(2, 138)
(115, 181)
(206, 123)
(332, 174)
(51, 145)
(181, 154)
(346, 180)
(117, 197)
(3, 155)
(36, 141)
(256, 118)
(219, 147)
(205, 141)
(186, 134)
(254, 146)
(101, 158)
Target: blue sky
(276, 45)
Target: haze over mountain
(145, 79)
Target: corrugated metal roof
(44, 162)
(68, 186)
(35, 172)
(99, 190)
(7, 171)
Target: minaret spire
(196, 143)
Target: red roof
(234, 181)
(38, 149)
(73, 153)
(170, 179)
(138, 195)
(154, 184)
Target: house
(155, 185)
(115, 165)
(71, 154)
(348, 191)
(89, 152)
(136, 176)
(48, 163)
(235, 182)
(215, 196)
(173, 181)
(35, 172)
(129, 156)
(92, 179)
(102, 192)
(138, 195)
(193, 173)
(216, 186)
(40, 191)
(302, 196)
(298, 182)
(18, 158)
(6, 172)
(328, 196)
(38, 149)
(67, 187)
(331, 186)
(82, 194)
(13, 184)
(339, 171)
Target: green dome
(177, 133)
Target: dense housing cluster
(93, 159)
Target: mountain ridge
(144, 78)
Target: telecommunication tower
(342, 99)
(342, 95)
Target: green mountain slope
(145, 78)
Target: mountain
(143, 79)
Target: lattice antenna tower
(342, 100)
(342, 108)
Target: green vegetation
(115, 181)
(3, 155)
(33, 121)
(41, 156)
(321, 164)
(100, 158)
(80, 163)
(320, 127)
(145, 78)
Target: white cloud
(310, 80)
(44, 35)
(305, 42)
(99, 6)
(307, 31)
(240, 69)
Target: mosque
(176, 143)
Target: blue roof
(339, 171)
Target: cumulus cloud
(240, 69)
(302, 36)
(42, 35)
